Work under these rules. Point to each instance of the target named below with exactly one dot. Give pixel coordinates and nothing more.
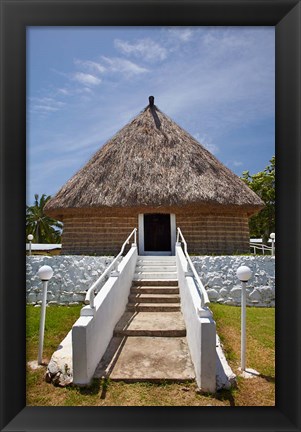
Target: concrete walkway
(149, 342)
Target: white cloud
(72, 90)
(183, 35)
(211, 147)
(84, 90)
(112, 64)
(86, 79)
(228, 40)
(237, 163)
(90, 66)
(144, 48)
(44, 108)
(117, 64)
(45, 105)
(206, 142)
(227, 90)
(63, 91)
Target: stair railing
(112, 267)
(261, 247)
(204, 296)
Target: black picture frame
(16, 15)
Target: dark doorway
(157, 232)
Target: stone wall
(218, 275)
(72, 277)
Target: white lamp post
(272, 237)
(30, 238)
(45, 273)
(243, 273)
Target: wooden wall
(213, 233)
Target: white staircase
(149, 342)
(156, 268)
(155, 285)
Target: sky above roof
(85, 83)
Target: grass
(259, 391)
(260, 336)
(59, 320)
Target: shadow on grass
(93, 389)
(268, 378)
(226, 395)
(104, 384)
(221, 395)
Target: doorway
(157, 234)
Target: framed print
(20, 15)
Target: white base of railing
(204, 313)
(112, 268)
(189, 268)
(200, 327)
(87, 311)
(92, 332)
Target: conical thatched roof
(153, 162)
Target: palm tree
(43, 228)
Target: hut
(153, 175)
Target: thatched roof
(153, 162)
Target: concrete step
(155, 275)
(157, 265)
(151, 324)
(155, 282)
(154, 290)
(156, 268)
(156, 359)
(154, 298)
(165, 258)
(153, 307)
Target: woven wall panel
(205, 233)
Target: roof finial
(151, 101)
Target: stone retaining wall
(218, 275)
(73, 275)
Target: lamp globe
(45, 273)
(243, 273)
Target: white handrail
(204, 296)
(91, 291)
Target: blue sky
(85, 83)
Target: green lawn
(254, 392)
(260, 324)
(59, 320)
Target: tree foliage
(43, 228)
(263, 184)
